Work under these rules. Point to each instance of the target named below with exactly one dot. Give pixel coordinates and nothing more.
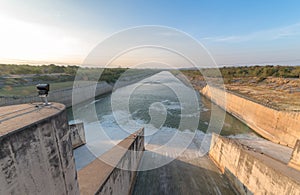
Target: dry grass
(281, 93)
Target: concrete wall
(77, 135)
(295, 159)
(115, 172)
(38, 158)
(252, 172)
(277, 126)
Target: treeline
(260, 72)
(29, 74)
(111, 75)
(51, 72)
(9, 69)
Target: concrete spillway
(189, 173)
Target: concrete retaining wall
(37, 158)
(77, 135)
(252, 172)
(295, 159)
(277, 126)
(115, 173)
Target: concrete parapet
(114, 172)
(253, 172)
(295, 159)
(77, 135)
(36, 155)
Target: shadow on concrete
(179, 177)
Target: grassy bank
(20, 80)
(30, 90)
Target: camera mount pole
(46, 103)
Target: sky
(234, 32)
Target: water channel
(176, 120)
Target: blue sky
(234, 31)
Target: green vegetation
(55, 73)
(29, 90)
(21, 79)
(109, 75)
(8, 69)
(259, 72)
(262, 71)
(20, 75)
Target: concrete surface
(191, 172)
(277, 126)
(114, 171)
(77, 135)
(16, 117)
(36, 155)
(270, 149)
(251, 171)
(295, 159)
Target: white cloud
(266, 35)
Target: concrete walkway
(272, 150)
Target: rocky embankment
(278, 93)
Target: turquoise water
(153, 103)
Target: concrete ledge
(295, 159)
(115, 171)
(77, 135)
(17, 117)
(253, 172)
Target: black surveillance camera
(43, 89)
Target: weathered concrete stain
(38, 158)
(277, 126)
(251, 171)
(77, 134)
(115, 172)
(295, 159)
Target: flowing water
(172, 113)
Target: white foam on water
(203, 109)
(95, 101)
(249, 136)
